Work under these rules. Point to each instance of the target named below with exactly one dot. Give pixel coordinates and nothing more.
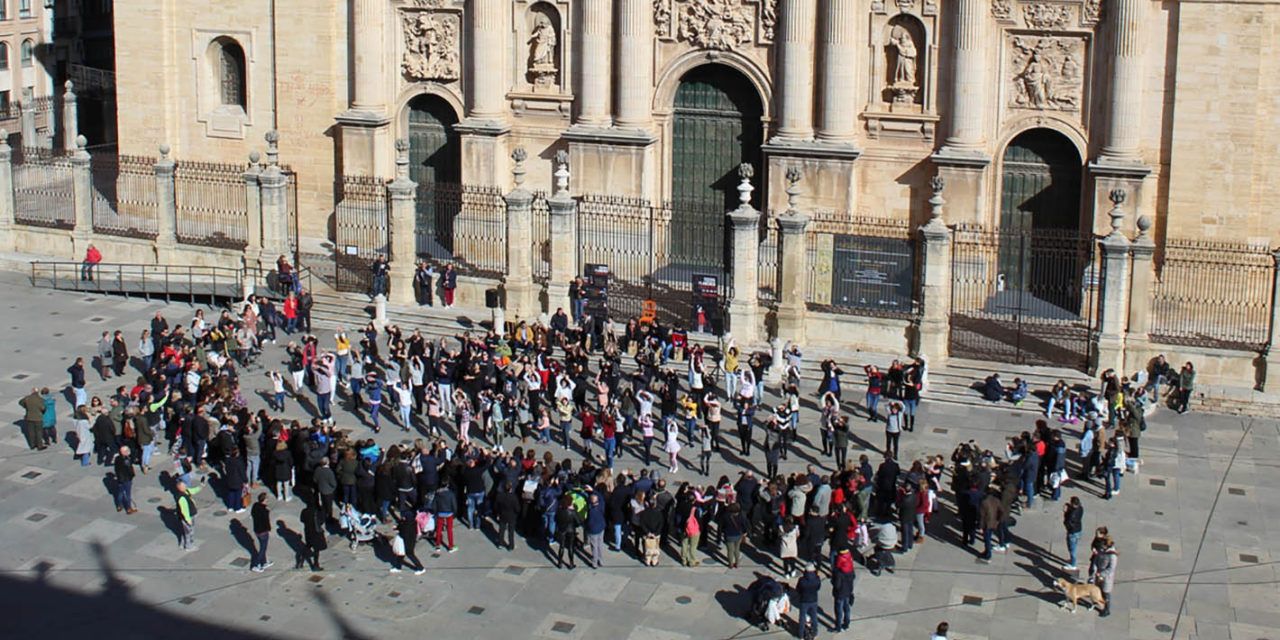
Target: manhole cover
(393, 594)
(683, 599)
(975, 601)
(1159, 546)
(187, 600)
(31, 475)
(475, 611)
(1235, 491)
(562, 627)
(1156, 482)
(264, 618)
(514, 571)
(36, 517)
(1248, 557)
(153, 500)
(1163, 628)
(319, 578)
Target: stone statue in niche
(431, 46)
(1047, 73)
(903, 86)
(542, 51)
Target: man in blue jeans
(807, 588)
(473, 482)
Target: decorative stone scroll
(716, 24)
(1046, 16)
(1046, 73)
(431, 44)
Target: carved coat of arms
(712, 24)
(430, 46)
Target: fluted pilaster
(969, 88)
(488, 59)
(366, 23)
(1124, 115)
(794, 48)
(594, 70)
(839, 57)
(635, 65)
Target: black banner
(873, 273)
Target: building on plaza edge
(1042, 118)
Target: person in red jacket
(290, 311)
(91, 259)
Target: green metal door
(717, 126)
(1039, 198)
(434, 162)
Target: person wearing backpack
(187, 512)
(842, 589)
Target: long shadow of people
(242, 536)
(294, 540)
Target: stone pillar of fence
(253, 253)
(27, 116)
(935, 292)
(1141, 281)
(166, 208)
(1108, 348)
(70, 126)
(82, 195)
(8, 205)
(1273, 332)
(275, 206)
(563, 219)
(793, 256)
(521, 297)
(403, 194)
(744, 237)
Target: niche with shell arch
(905, 66)
(543, 62)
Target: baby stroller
(359, 527)
(769, 602)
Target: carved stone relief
(1002, 9)
(1046, 16)
(715, 24)
(431, 45)
(1046, 72)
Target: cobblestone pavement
(1196, 531)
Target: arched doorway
(1040, 183)
(716, 126)
(435, 165)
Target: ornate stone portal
(431, 45)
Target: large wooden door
(1039, 198)
(716, 127)
(434, 164)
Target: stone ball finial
(1144, 224)
(746, 171)
(519, 155)
(164, 151)
(82, 142)
(254, 157)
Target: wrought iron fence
(769, 264)
(291, 205)
(213, 208)
(860, 265)
(361, 232)
(465, 225)
(655, 252)
(44, 191)
(124, 196)
(541, 237)
(1213, 294)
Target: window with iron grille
(231, 74)
(24, 8)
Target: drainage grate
(1235, 491)
(1156, 482)
(36, 517)
(563, 627)
(1249, 557)
(1163, 628)
(153, 500)
(20, 376)
(941, 431)
(475, 611)
(1159, 546)
(514, 571)
(973, 601)
(32, 475)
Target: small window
(4, 104)
(4, 55)
(230, 68)
(24, 8)
(4, 9)
(28, 53)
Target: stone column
(489, 31)
(28, 115)
(275, 205)
(403, 196)
(564, 239)
(82, 190)
(1113, 306)
(969, 85)
(935, 294)
(1273, 333)
(8, 207)
(635, 63)
(1124, 108)
(794, 50)
(521, 298)
(793, 252)
(166, 208)
(744, 225)
(70, 123)
(593, 67)
(368, 50)
(839, 56)
(253, 204)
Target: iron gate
(360, 232)
(1025, 297)
(638, 241)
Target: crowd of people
(524, 431)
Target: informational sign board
(873, 273)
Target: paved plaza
(1196, 534)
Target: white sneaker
(268, 565)
(256, 569)
(419, 572)
(394, 570)
(1069, 567)
(1001, 548)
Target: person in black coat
(234, 478)
(567, 524)
(282, 462)
(407, 528)
(506, 506)
(313, 538)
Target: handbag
(397, 546)
(245, 499)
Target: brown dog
(1077, 590)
